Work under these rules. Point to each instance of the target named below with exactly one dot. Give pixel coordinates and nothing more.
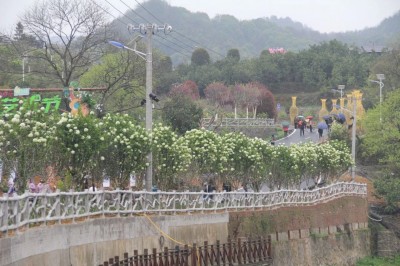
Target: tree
(122, 75)
(382, 140)
(72, 32)
(182, 114)
(266, 100)
(188, 88)
(234, 55)
(200, 57)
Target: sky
(320, 15)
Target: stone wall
(92, 242)
(387, 244)
(331, 233)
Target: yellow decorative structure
(341, 102)
(334, 109)
(360, 108)
(323, 112)
(294, 110)
(349, 107)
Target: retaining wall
(331, 233)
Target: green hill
(251, 37)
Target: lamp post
(340, 89)
(380, 77)
(353, 135)
(147, 30)
(149, 109)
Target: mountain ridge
(250, 37)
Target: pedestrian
(310, 126)
(302, 125)
(320, 132)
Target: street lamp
(149, 108)
(380, 77)
(353, 134)
(340, 89)
(147, 30)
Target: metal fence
(248, 251)
(31, 208)
(238, 122)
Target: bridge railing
(238, 122)
(33, 208)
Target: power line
(99, 6)
(172, 48)
(148, 11)
(176, 44)
(134, 11)
(182, 35)
(121, 12)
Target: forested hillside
(251, 37)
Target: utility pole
(148, 30)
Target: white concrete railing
(29, 208)
(239, 122)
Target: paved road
(295, 138)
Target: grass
(377, 261)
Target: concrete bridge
(87, 228)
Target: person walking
(302, 126)
(320, 132)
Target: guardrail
(238, 122)
(31, 208)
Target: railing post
(44, 204)
(154, 258)
(239, 247)
(194, 257)
(269, 247)
(218, 258)
(185, 255)
(135, 258)
(126, 259)
(206, 255)
(166, 259)
(118, 202)
(146, 257)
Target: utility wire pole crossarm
(146, 30)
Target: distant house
(276, 50)
(378, 49)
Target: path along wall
(332, 233)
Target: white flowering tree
(171, 156)
(262, 168)
(242, 160)
(126, 146)
(31, 140)
(205, 151)
(334, 158)
(78, 139)
(25, 138)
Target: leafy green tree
(182, 114)
(382, 139)
(234, 55)
(389, 188)
(200, 57)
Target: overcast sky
(321, 15)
